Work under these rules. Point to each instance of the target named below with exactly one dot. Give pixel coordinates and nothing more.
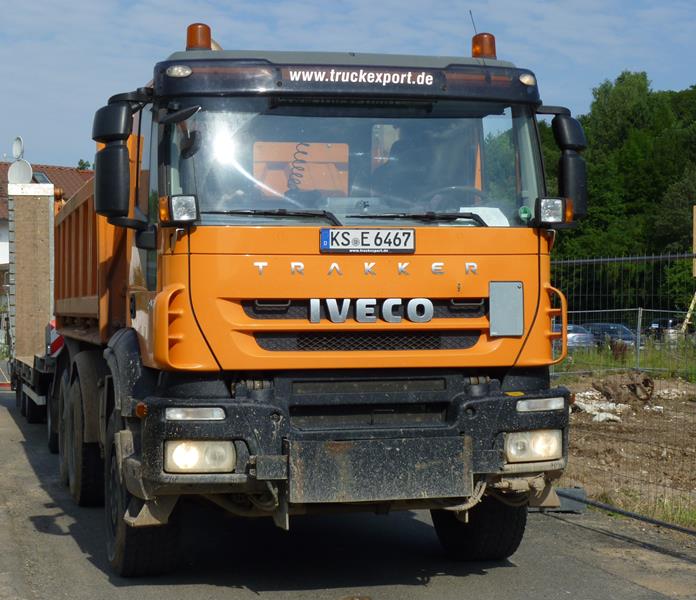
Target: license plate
(377, 241)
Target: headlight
(531, 446)
(199, 457)
(553, 211)
(184, 208)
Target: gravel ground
(50, 549)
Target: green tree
(672, 218)
(83, 165)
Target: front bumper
(345, 446)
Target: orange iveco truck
(315, 282)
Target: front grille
(456, 308)
(367, 341)
(399, 416)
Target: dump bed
(91, 270)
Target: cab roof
(339, 58)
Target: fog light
(199, 413)
(530, 446)
(184, 208)
(537, 404)
(199, 457)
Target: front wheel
(132, 551)
(493, 532)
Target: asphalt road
(50, 549)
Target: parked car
(578, 336)
(615, 332)
(664, 329)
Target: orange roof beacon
(303, 282)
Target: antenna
(473, 23)
(20, 170)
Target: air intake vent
(366, 341)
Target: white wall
(4, 243)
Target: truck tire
(63, 419)
(494, 531)
(51, 424)
(132, 551)
(85, 468)
(21, 398)
(18, 395)
(34, 412)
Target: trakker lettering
(366, 268)
(368, 310)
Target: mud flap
(379, 470)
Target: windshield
(367, 162)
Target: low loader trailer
(315, 282)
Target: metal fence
(632, 364)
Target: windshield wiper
(426, 216)
(278, 212)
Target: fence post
(638, 328)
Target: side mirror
(112, 180)
(572, 172)
(112, 123)
(572, 181)
(568, 133)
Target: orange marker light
(164, 209)
(198, 37)
(483, 45)
(568, 217)
(141, 410)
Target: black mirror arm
(137, 224)
(553, 110)
(146, 239)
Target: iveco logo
(368, 310)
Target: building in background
(69, 179)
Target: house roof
(69, 179)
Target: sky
(60, 61)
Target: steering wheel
(469, 190)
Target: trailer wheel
(34, 412)
(63, 419)
(132, 551)
(494, 531)
(85, 472)
(52, 424)
(18, 395)
(22, 398)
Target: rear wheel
(18, 394)
(34, 412)
(132, 551)
(494, 531)
(63, 419)
(51, 424)
(85, 472)
(21, 399)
